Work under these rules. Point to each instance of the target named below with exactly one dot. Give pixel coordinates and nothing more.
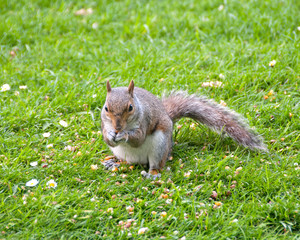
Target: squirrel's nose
(118, 125)
(118, 128)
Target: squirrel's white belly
(139, 155)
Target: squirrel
(137, 126)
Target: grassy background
(162, 45)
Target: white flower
(169, 201)
(17, 93)
(49, 146)
(32, 183)
(272, 63)
(63, 123)
(93, 199)
(221, 76)
(33, 164)
(95, 25)
(5, 87)
(143, 230)
(23, 87)
(51, 184)
(298, 28)
(46, 135)
(94, 96)
(221, 7)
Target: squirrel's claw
(110, 164)
(150, 176)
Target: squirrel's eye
(106, 109)
(130, 108)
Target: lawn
(56, 57)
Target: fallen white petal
(63, 123)
(46, 135)
(33, 164)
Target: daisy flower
(51, 184)
(5, 88)
(23, 87)
(272, 63)
(32, 183)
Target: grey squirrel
(137, 126)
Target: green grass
(162, 45)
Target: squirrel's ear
(130, 88)
(108, 87)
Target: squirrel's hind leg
(161, 147)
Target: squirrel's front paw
(110, 164)
(150, 176)
(111, 138)
(121, 136)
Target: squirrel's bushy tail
(215, 116)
